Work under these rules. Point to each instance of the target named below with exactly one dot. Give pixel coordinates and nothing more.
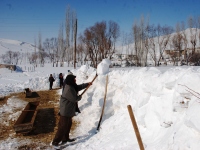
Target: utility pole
(75, 34)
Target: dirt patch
(45, 125)
(45, 121)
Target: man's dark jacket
(70, 97)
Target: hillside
(127, 48)
(15, 46)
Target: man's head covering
(70, 80)
(69, 72)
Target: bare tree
(61, 46)
(163, 37)
(68, 22)
(123, 45)
(99, 41)
(177, 41)
(185, 42)
(127, 43)
(73, 34)
(139, 35)
(3, 58)
(32, 58)
(136, 43)
(52, 50)
(47, 48)
(16, 57)
(92, 45)
(113, 34)
(156, 41)
(198, 25)
(193, 33)
(9, 56)
(50, 46)
(54, 47)
(145, 38)
(152, 42)
(69, 26)
(80, 52)
(41, 50)
(196, 59)
(35, 57)
(174, 55)
(84, 48)
(147, 42)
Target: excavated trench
(45, 124)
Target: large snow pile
(165, 102)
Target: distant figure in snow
(68, 101)
(61, 79)
(51, 80)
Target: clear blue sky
(24, 19)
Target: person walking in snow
(51, 80)
(61, 79)
(68, 101)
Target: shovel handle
(89, 85)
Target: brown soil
(45, 125)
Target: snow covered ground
(165, 102)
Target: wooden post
(75, 35)
(137, 133)
(104, 102)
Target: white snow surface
(165, 102)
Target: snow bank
(165, 102)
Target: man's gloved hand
(80, 96)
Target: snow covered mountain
(15, 46)
(189, 33)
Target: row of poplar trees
(96, 43)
